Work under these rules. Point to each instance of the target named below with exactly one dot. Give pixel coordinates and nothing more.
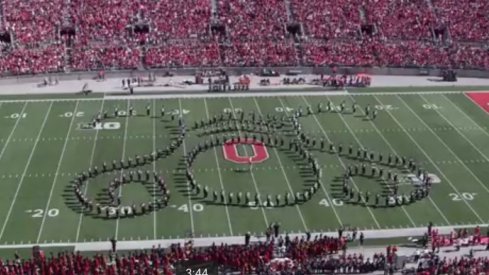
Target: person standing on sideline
(247, 238)
(113, 243)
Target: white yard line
(339, 159)
(251, 170)
(432, 162)
(463, 135)
(388, 144)
(285, 174)
(13, 130)
(395, 151)
(25, 171)
(80, 219)
(219, 174)
(123, 158)
(475, 102)
(63, 151)
(190, 206)
(322, 185)
(483, 130)
(154, 167)
(446, 145)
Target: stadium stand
(319, 255)
(407, 20)
(466, 20)
(328, 19)
(260, 54)
(57, 36)
(276, 255)
(181, 54)
(93, 58)
(251, 20)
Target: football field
(44, 144)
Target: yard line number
(39, 213)
(335, 202)
(253, 206)
(431, 106)
(17, 115)
(177, 112)
(232, 110)
(71, 114)
(462, 196)
(107, 126)
(385, 107)
(196, 207)
(283, 109)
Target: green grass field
(42, 148)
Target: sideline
(232, 95)
(230, 240)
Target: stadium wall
(239, 71)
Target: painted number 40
(335, 202)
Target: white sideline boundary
(182, 95)
(209, 241)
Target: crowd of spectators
(457, 265)
(409, 19)
(104, 21)
(32, 24)
(328, 18)
(372, 52)
(470, 57)
(412, 54)
(33, 61)
(179, 19)
(278, 254)
(123, 34)
(318, 254)
(95, 58)
(466, 19)
(183, 54)
(349, 53)
(250, 20)
(260, 53)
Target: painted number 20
(462, 196)
(39, 213)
